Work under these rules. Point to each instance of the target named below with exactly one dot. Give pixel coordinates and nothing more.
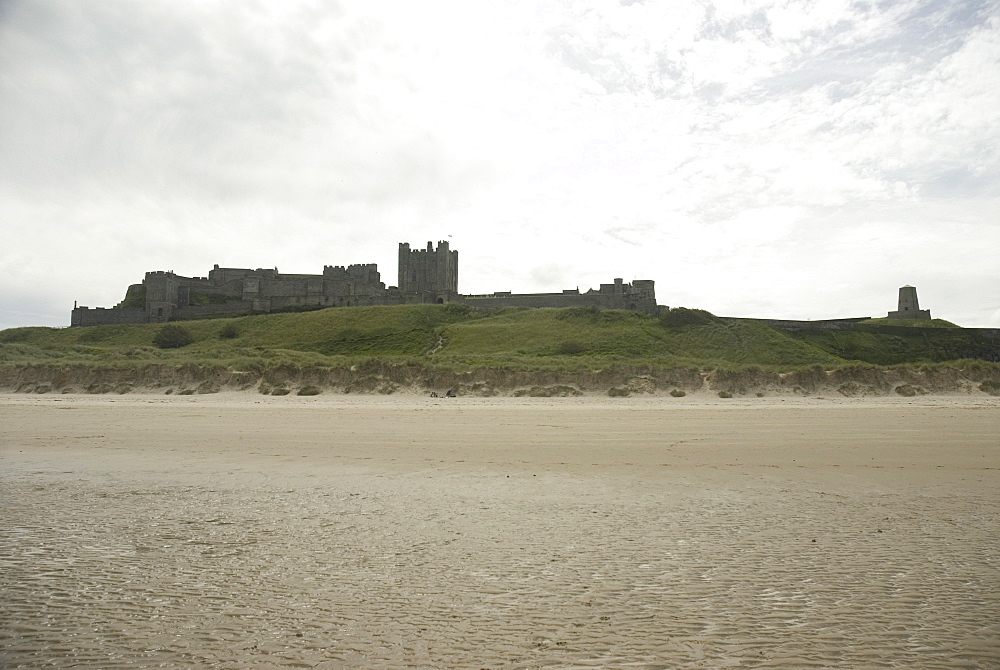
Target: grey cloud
(918, 39)
(35, 307)
(551, 277)
(943, 180)
(603, 65)
(177, 134)
(221, 107)
(755, 23)
(626, 235)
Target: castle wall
(425, 276)
(100, 316)
(638, 296)
(194, 311)
(824, 324)
(906, 314)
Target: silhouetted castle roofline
(428, 275)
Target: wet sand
(243, 531)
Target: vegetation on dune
(229, 331)
(682, 316)
(895, 345)
(456, 337)
(593, 338)
(909, 323)
(172, 336)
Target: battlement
(637, 296)
(441, 247)
(354, 267)
(426, 275)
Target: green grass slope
(910, 323)
(893, 344)
(458, 337)
(299, 338)
(574, 338)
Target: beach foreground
(240, 531)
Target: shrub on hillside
(229, 332)
(570, 348)
(457, 309)
(597, 316)
(16, 335)
(172, 336)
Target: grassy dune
(379, 349)
(452, 336)
(456, 336)
(882, 342)
(577, 338)
(319, 337)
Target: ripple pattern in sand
(482, 570)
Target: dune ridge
(380, 377)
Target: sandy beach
(244, 531)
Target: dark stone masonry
(425, 276)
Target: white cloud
(740, 153)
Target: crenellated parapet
(428, 275)
(431, 271)
(639, 296)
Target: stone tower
(909, 306)
(428, 271)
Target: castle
(424, 276)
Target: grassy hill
(332, 336)
(443, 345)
(456, 336)
(573, 338)
(884, 342)
(453, 336)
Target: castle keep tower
(428, 271)
(909, 307)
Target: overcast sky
(769, 158)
